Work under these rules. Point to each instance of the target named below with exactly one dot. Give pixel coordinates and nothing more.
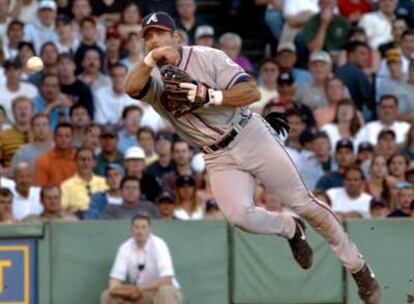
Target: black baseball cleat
(368, 288)
(301, 250)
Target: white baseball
(35, 64)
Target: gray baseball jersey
(205, 125)
(256, 152)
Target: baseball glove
(130, 293)
(181, 90)
(278, 122)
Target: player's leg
(260, 153)
(234, 189)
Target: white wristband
(215, 97)
(149, 61)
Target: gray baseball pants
(257, 153)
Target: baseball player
(239, 146)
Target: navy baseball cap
(12, 63)
(285, 78)
(159, 20)
(166, 196)
(114, 166)
(377, 203)
(185, 180)
(109, 130)
(164, 135)
(365, 146)
(344, 143)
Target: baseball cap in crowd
(113, 32)
(159, 20)
(365, 146)
(185, 180)
(47, 4)
(12, 63)
(403, 185)
(109, 130)
(204, 31)
(134, 153)
(320, 56)
(344, 143)
(62, 18)
(307, 136)
(286, 46)
(377, 203)
(166, 196)
(211, 204)
(321, 134)
(285, 78)
(114, 166)
(393, 55)
(164, 135)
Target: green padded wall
(264, 272)
(82, 255)
(388, 246)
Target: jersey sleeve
(226, 72)
(152, 89)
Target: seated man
(378, 208)
(6, 201)
(344, 157)
(113, 175)
(405, 196)
(131, 202)
(51, 197)
(350, 201)
(78, 189)
(26, 197)
(166, 205)
(145, 260)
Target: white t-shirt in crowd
(377, 27)
(295, 7)
(182, 214)
(109, 105)
(25, 206)
(6, 97)
(154, 259)
(370, 131)
(342, 202)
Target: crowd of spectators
(74, 146)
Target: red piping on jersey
(207, 125)
(188, 59)
(233, 78)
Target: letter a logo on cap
(153, 18)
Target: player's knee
(237, 219)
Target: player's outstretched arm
(138, 77)
(241, 94)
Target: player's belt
(229, 136)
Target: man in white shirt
(26, 198)
(387, 119)
(146, 262)
(350, 201)
(377, 25)
(296, 14)
(42, 29)
(4, 18)
(14, 87)
(111, 100)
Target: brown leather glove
(181, 91)
(130, 293)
